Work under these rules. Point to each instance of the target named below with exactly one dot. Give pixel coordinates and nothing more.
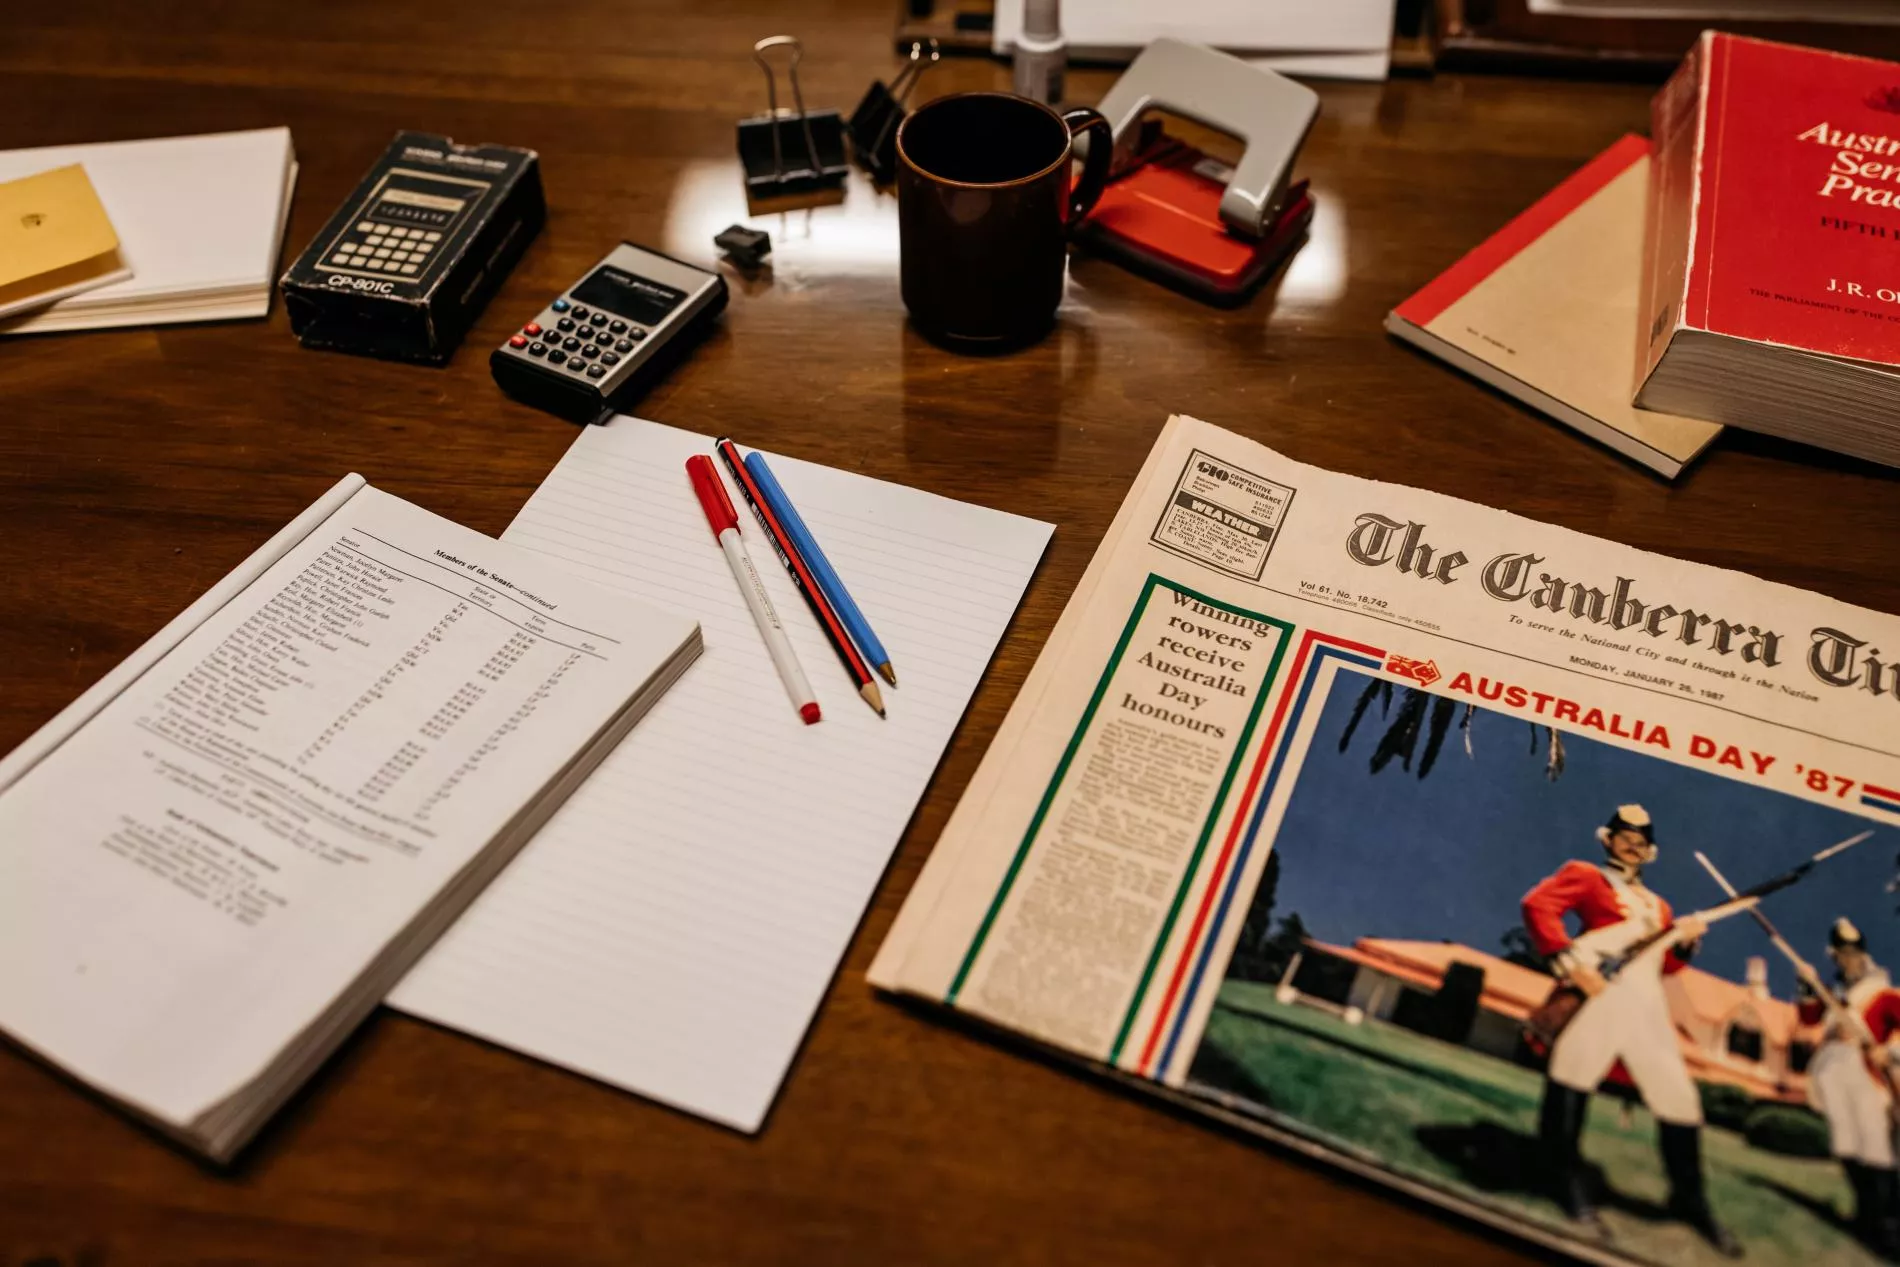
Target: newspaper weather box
(1223, 516)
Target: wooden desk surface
(137, 466)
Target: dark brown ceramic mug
(985, 210)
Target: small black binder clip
(873, 125)
(790, 151)
(747, 247)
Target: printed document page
(674, 927)
(195, 875)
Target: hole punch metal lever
(1182, 216)
(1268, 112)
(790, 151)
(873, 125)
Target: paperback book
(1543, 309)
(1767, 298)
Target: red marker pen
(725, 527)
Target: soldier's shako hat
(1629, 818)
(1844, 936)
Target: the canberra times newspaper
(1544, 877)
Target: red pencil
(801, 576)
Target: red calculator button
(531, 329)
(517, 342)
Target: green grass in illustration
(1466, 1121)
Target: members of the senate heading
(1850, 1082)
(1623, 1019)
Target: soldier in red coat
(1623, 1022)
(1849, 1082)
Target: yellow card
(53, 223)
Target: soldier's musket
(1790, 876)
(1837, 1011)
(1802, 967)
(1615, 961)
(1612, 963)
(1549, 1019)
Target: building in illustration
(1731, 1032)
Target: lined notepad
(673, 929)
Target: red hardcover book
(1769, 300)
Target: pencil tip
(873, 696)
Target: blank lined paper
(673, 929)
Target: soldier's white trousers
(1854, 1105)
(1629, 1021)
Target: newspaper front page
(1542, 876)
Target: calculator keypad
(584, 341)
(382, 248)
(571, 337)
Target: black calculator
(598, 344)
(407, 221)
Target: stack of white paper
(217, 861)
(673, 929)
(200, 222)
(1346, 39)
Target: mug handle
(1094, 168)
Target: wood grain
(137, 466)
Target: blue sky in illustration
(1449, 857)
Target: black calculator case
(413, 255)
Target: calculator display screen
(422, 201)
(633, 297)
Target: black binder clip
(790, 151)
(747, 248)
(873, 125)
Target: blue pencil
(807, 545)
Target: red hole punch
(1182, 217)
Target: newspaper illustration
(1542, 877)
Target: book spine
(1676, 117)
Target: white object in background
(200, 221)
(1346, 39)
(674, 927)
(1372, 66)
(1041, 57)
(1873, 12)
